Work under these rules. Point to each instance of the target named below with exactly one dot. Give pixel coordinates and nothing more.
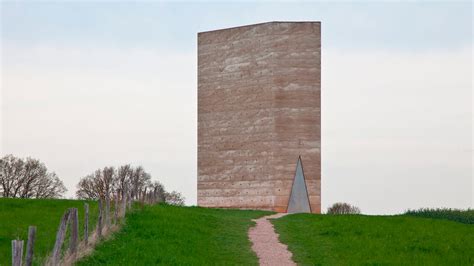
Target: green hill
(170, 235)
(17, 214)
(376, 240)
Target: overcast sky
(86, 85)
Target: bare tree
(96, 185)
(158, 190)
(108, 174)
(11, 169)
(122, 178)
(34, 174)
(139, 181)
(49, 187)
(87, 188)
(103, 182)
(28, 178)
(107, 181)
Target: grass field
(171, 235)
(375, 240)
(17, 214)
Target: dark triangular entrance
(299, 201)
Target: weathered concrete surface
(258, 110)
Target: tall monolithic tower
(259, 117)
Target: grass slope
(170, 235)
(17, 214)
(358, 239)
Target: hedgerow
(462, 216)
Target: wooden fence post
(60, 237)
(30, 245)
(74, 221)
(17, 252)
(99, 221)
(86, 223)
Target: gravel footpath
(266, 245)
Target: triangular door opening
(299, 201)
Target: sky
(89, 84)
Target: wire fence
(112, 211)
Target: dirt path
(266, 244)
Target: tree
(97, 185)
(28, 178)
(139, 181)
(159, 191)
(108, 174)
(87, 188)
(123, 177)
(107, 181)
(11, 171)
(49, 187)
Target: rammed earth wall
(259, 109)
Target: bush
(174, 198)
(343, 208)
(462, 216)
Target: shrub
(174, 198)
(462, 216)
(343, 208)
